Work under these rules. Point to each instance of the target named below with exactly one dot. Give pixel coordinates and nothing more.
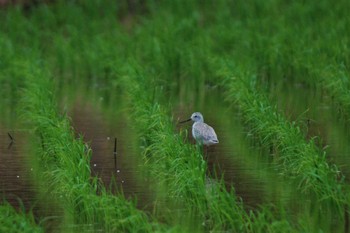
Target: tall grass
(17, 221)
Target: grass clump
(13, 221)
(298, 159)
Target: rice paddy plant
(298, 159)
(14, 221)
(65, 165)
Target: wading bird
(201, 132)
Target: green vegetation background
(152, 53)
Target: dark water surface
(15, 173)
(18, 184)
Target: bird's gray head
(197, 117)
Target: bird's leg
(203, 150)
(206, 153)
(200, 148)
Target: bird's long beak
(184, 121)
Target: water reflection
(11, 141)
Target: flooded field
(93, 95)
